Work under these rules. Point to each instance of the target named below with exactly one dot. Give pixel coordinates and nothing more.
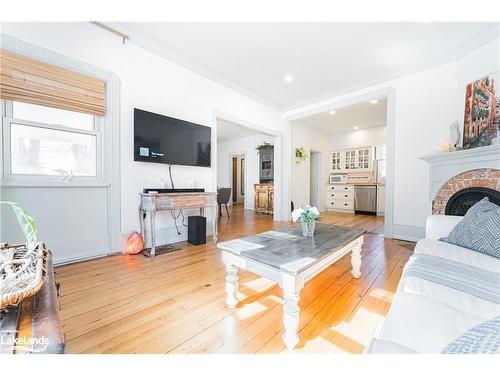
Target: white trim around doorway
(390, 94)
(280, 211)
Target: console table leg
(152, 215)
(231, 285)
(291, 318)
(141, 222)
(356, 259)
(215, 223)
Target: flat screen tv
(163, 139)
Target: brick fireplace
(461, 178)
(477, 178)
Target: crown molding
(161, 49)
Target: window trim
(10, 179)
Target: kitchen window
(42, 142)
(380, 156)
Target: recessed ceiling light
(332, 112)
(375, 101)
(288, 78)
(356, 127)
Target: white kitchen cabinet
(335, 161)
(351, 160)
(339, 197)
(380, 200)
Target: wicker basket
(22, 272)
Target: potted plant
(307, 216)
(263, 146)
(26, 222)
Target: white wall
(475, 65)
(154, 84)
(358, 138)
(310, 139)
(245, 145)
(426, 104)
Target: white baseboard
(407, 232)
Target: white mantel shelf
(478, 152)
(444, 166)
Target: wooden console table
(153, 202)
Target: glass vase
(308, 228)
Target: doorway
(238, 179)
(315, 179)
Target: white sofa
(427, 323)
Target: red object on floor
(135, 243)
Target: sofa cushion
(479, 230)
(457, 253)
(378, 346)
(460, 285)
(424, 324)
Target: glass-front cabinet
(336, 161)
(357, 159)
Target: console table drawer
(188, 201)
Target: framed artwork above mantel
(482, 112)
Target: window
(380, 156)
(46, 141)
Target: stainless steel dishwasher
(365, 199)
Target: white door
(315, 179)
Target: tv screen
(163, 139)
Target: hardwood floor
(175, 303)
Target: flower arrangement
(308, 217)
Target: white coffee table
(289, 259)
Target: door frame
(281, 210)
(318, 156)
(387, 92)
(230, 157)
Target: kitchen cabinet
(336, 161)
(339, 197)
(351, 160)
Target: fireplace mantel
(447, 165)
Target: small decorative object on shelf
(307, 217)
(455, 136)
(300, 154)
(445, 147)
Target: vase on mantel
(308, 228)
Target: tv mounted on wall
(163, 139)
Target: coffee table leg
(291, 318)
(231, 285)
(356, 259)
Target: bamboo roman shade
(31, 81)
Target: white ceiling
(362, 115)
(325, 59)
(228, 131)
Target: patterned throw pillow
(479, 230)
(481, 339)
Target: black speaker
(197, 230)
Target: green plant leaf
(26, 222)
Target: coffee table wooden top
(287, 250)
